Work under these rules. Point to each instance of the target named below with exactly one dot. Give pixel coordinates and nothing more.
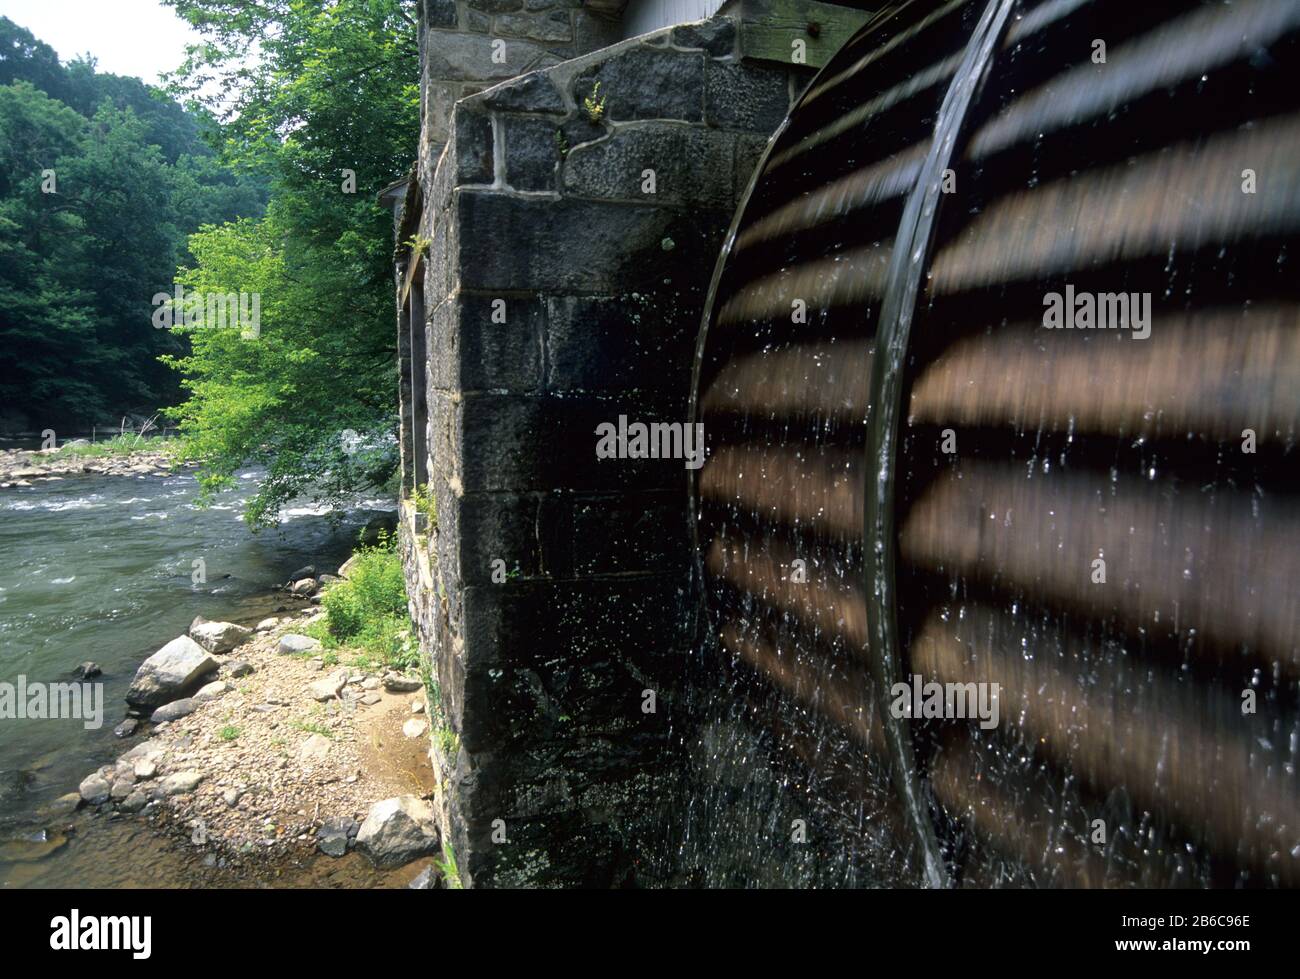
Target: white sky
(128, 37)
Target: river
(101, 568)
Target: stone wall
(573, 220)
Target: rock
(231, 797)
(266, 625)
(349, 566)
(64, 805)
(417, 707)
(370, 683)
(134, 802)
(180, 783)
(315, 664)
(304, 587)
(213, 690)
(197, 621)
(126, 728)
(371, 699)
(219, 637)
(238, 668)
(397, 831)
(87, 671)
(425, 880)
(334, 834)
(169, 673)
(414, 728)
(305, 572)
(121, 789)
(145, 768)
(175, 710)
(328, 688)
(314, 750)
(293, 643)
(399, 683)
(95, 789)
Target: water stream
(101, 568)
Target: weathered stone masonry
(552, 293)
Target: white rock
(293, 643)
(219, 637)
(168, 673)
(414, 728)
(180, 783)
(213, 690)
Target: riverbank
(278, 750)
(122, 456)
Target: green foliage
(367, 610)
(79, 266)
(118, 445)
(423, 499)
(447, 867)
(229, 733)
(335, 88)
(594, 104)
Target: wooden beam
(770, 28)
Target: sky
(128, 37)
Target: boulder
(400, 683)
(213, 690)
(293, 643)
(87, 671)
(180, 783)
(397, 831)
(414, 728)
(334, 834)
(309, 571)
(238, 668)
(266, 625)
(175, 710)
(95, 789)
(134, 802)
(348, 566)
(126, 728)
(219, 637)
(304, 587)
(172, 672)
(329, 687)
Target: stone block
(645, 82)
(532, 152)
(553, 25)
(473, 353)
(744, 96)
(574, 246)
(642, 341)
(534, 92)
(716, 36)
(691, 165)
(440, 13)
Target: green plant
(367, 612)
(311, 727)
(562, 143)
(423, 499)
(418, 244)
(447, 867)
(448, 742)
(594, 104)
(229, 733)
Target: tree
(331, 90)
